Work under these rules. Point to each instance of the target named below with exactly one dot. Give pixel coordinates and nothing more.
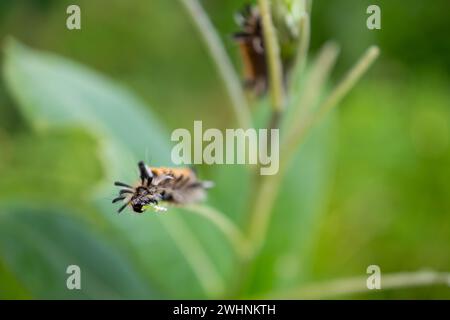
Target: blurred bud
(287, 15)
(287, 18)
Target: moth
(178, 186)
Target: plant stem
(298, 133)
(303, 46)
(258, 220)
(273, 57)
(308, 6)
(222, 61)
(349, 81)
(262, 208)
(228, 228)
(358, 285)
(301, 113)
(267, 192)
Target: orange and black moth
(251, 46)
(178, 186)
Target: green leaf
(52, 91)
(55, 91)
(62, 160)
(10, 286)
(39, 245)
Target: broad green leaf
(39, 245)
(52, 91)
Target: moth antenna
(118, 199)
(121, 184)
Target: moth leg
(122, 207)
(118, 199)
(121, 184)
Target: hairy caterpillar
(251, 47)
(172, 185)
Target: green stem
(298, 133)
(301, 113)
(262, 209)
(354, 285)
(349, 81)
(303, 47)
(273, 57)
(259, 215)
(267, 192)
(222, 61)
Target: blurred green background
(373, 187)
